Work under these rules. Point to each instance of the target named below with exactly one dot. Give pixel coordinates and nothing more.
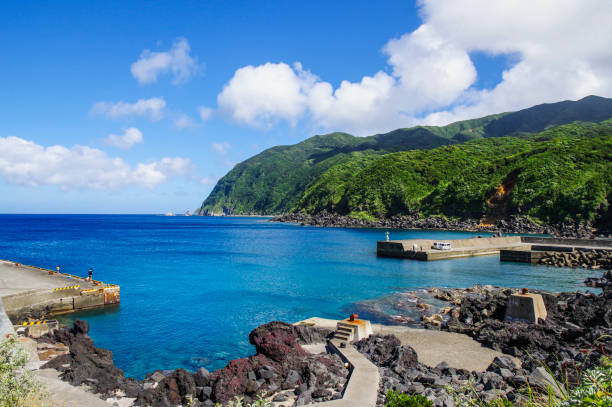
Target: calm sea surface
(192, 288)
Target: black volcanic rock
(88, 364)
(276, 340)
(512, 224)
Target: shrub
(595, 388)
(238, 401)
(18, 386)
(397, 399)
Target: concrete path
(432, 346)
(362, 388)
(16, 280)
(64, 394)
(6, 326)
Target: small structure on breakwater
(353, 329)
(28, 290)
(526, 306)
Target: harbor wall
(552, 241)
(421, 249)
(30, 292)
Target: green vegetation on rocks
(397, 399)
(18, 386)
(562, 173)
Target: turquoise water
(192, 288)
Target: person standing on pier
(90, 275)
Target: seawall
(523, 248)
(421, 249)
(30, 292)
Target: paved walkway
(66, 395)
(362, 388)
(16, 280)
(433, 347)
(6, 326)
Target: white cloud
(209, 180)
(130, 136)
(183, 122)
(152, 107)
(262, 95)
(176, 60)
(562, 51)
(221, 148)
(157, 172)
(205, 113)
(26, 163)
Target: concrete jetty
(537, 247)
(28, 289)
(527, 249)
(60, 392)
(422, 249)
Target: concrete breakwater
(527, 249)
(422, 249)
(29, 292)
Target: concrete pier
(526, 249)
(27, 289)
(537, 247)
(422, 249)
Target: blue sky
(101, 107)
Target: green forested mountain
(338, 172)
(560, 174)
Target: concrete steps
(344, 332)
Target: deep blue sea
(192, 288)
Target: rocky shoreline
(513, 224)
(574, 336)
(281, 370)
(593, 259)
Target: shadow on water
(68, 319)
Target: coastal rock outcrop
(576, 331)
(280, 363)
(401, 371)
(87, 364)
(575, 336)
(276, 340)
(511, 224)
(593, 259)
(280, 369)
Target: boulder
(276, 340)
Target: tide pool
(192, 288)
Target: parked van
(441, 246)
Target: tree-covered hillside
(560, 174)
(284, 178)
